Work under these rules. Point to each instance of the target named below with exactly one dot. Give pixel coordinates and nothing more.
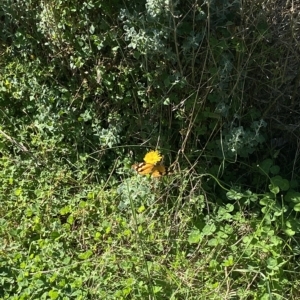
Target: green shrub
(85, 89)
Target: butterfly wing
(146, 168)
(143, 168)
(159, 170)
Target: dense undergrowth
(86, 88)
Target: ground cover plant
(89, 89)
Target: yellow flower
(152, 157)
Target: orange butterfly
(144, 168)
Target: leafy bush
(86, 88)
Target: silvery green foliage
(152, 31)
(156, 8)
(110, 136)
(148, 31)
(137, 191)
(242, 142)
(47, 24)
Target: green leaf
(289, 232)
(82, 204)
(283, 184)
(209, 229)
(274, 189)
(213, 242)
(265, 166)
(297, 207)
(272, 263)
(65, 210)
(265, 201)
(292, 196)
(194, 237)
(70, 219)
(265, 296)
(85, 255)
(274, 170)
(157, 289)
(228, 262)
(234, 195)
(91, 195)
(92, 29)
(18, 192)
(53, 294)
